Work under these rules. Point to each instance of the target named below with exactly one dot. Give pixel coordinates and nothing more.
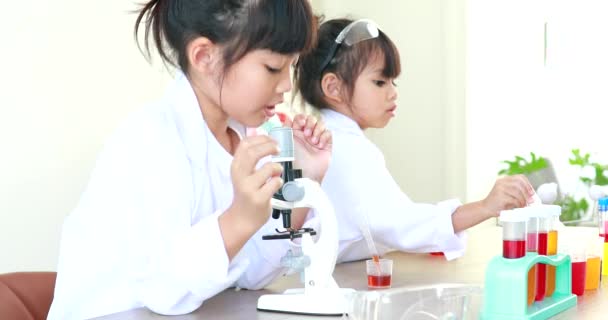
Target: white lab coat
(357, 180)
(145, 232)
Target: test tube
(532, 246)
(544, 226)
(601, 223)
(513, 234)
(603, 214)
(554, 212)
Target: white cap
(539, 211)
(545, 211)
(528, 212)
(513, 216)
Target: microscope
(321, 294)
(291, 191)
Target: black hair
(347, 64)
(282, 26)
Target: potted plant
(539, 170)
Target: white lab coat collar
(338, 121)
(194, 130)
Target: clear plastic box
(437, 302)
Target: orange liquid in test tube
(532, 244)
(551, 250)
(531, 284)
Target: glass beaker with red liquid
(554, 212)
(379, 273)
(578, 256)
(545, 220)
(531, 246)
(513, 234)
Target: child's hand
(508, 192)
(312, 146)
(254, 188)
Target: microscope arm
(323, 253)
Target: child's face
(255, 85)
(373, 101)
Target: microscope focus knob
(293, 191)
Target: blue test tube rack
(506, 287)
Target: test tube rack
(505, 290)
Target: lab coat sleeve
(191, 268)
(366, 185)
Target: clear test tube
(603, 212)
(600, 217)
(532, 246)
(554, 213)
(545, 220)
(513, 234)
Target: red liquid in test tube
(532, 247)
(541, 276)
(532, 242)
(513, 249)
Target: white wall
(70, 72)
(516, 104)
(424, 144)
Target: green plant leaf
(586, 181)
(522, 166)
(572, 209)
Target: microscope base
(325, 302)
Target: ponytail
(154, 13)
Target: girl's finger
(247, 157)
(299, 121)
(309, 127)
(316, 134)
(265, 173)
(325, 140)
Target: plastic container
(442, 301)
(592, 276)
(379, 273)
(578, 256)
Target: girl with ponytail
(176, 206)
(349, 78)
